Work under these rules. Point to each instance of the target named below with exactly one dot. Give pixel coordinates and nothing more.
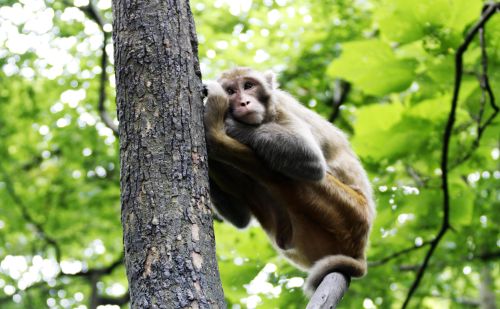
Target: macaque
(273, 159)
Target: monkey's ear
(271, 79)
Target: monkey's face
(248, 99)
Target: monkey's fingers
(214, 89)
(204, 91)
(216, 106)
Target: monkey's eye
(230, 91)
(248, 85)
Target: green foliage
(374, 72)
(434, 22)
(59, 178)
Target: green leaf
(433, 109)
(406, 20)
(462, 203)
(373, 67)
(373, 123)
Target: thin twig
(9, 298)
(487, 256)
(416, 176)
(341, 90)
(437, 265)
(397, 254)
(102, 89)
(93, 276)
(490, 10)
(101, 271)
(484, 257)
(119, 301)
(484, 82)
(92, 12)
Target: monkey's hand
(216, 107)
(204, 91)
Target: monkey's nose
(244, 103)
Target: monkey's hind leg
(229, 207)
(333, 263)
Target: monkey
(272, 158)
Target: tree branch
(487, 13)
(397, 254)
(8, 299)
(93, 14)
(92, 276)
(483, 257)
(102, 89)
(101, 271)
(40, 231)
(329, 293)
(484, 82)
(417, 177)
(120, 301)
(488, 256)
(341, 90)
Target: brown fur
(320, 226)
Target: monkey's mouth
(253, 118)
(247, 116)
(240, 112)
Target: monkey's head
(250, 94)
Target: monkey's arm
(351, 206)
(291, 151)
(229, 207)
(223, 148)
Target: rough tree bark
(167, 224)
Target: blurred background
(381, 70)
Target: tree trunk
(167, 223)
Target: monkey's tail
(334, 263)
